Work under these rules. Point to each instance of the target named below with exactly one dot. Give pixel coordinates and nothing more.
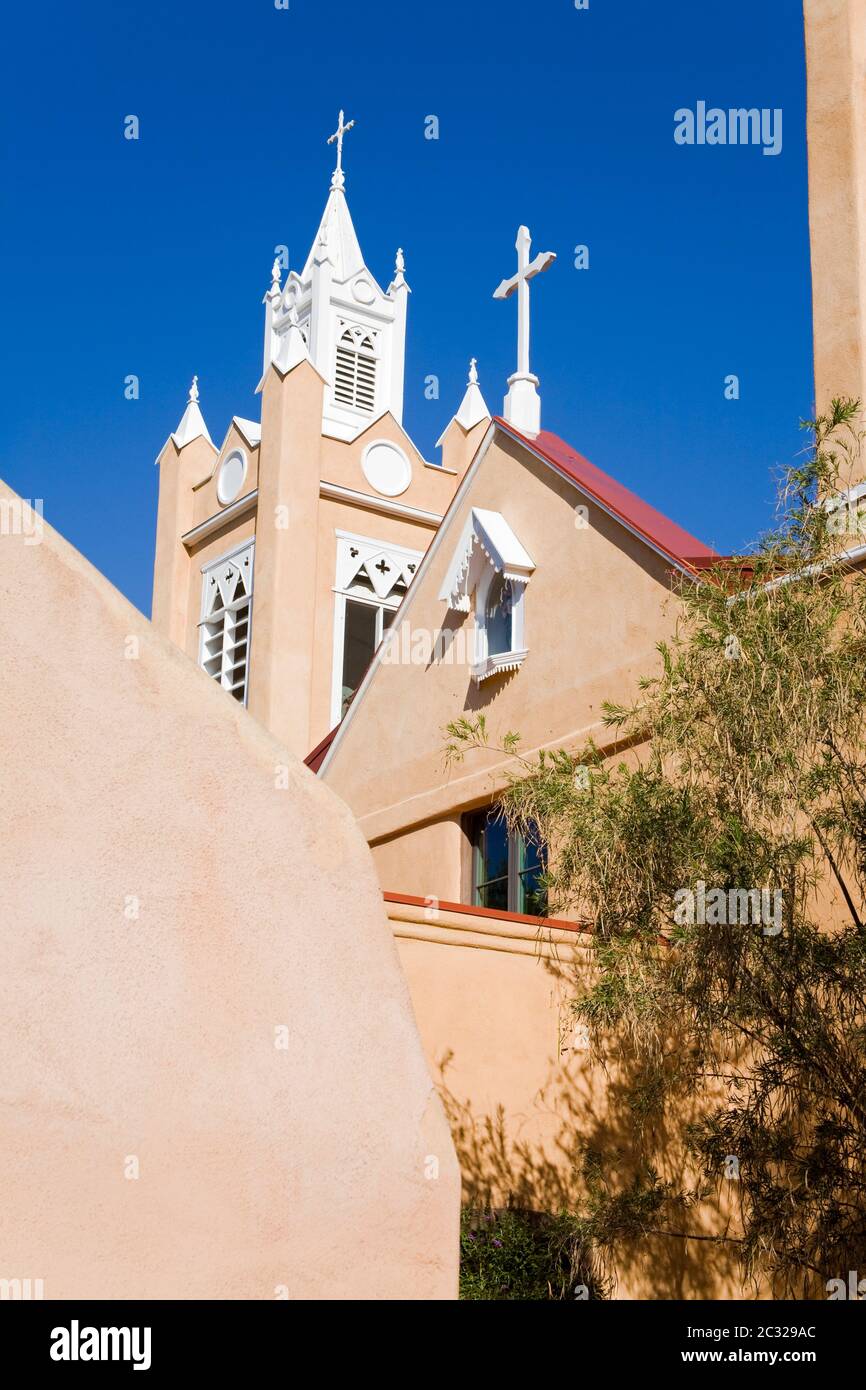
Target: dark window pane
(494, 856)
(358, 647)
(498, 616)
(493, 895)
(533, 897)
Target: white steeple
(523, 404)
(353, 331)
(192, 425)
(473, 408)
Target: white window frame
(233, 556)
(360, 594)
(485, 664)
(488, 547)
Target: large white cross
(338, 179)
(522, 404)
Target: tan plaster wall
(165, 908)
(836, 66)
(427, 862)
(523, 1094)
(207, 503)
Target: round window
(386, 468)
(233, 470)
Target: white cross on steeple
(522, 404)
(339, 178)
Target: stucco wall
(170, 901)
(836, 64)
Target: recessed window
(227, 600)
(507, 868)
(366, 623)
(371, 582)
(489, 573)
(355, 370)
(497, 616)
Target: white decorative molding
(486, 540)
(384, 564)
(488, 552)
(234, 512)
(363, 291)
(495, 665)
(386, 507)
(386, 467)
(250, 429)
(225, 628)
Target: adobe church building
(357, 598)
(214, 1109)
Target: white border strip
(385, 505)
(232, 513)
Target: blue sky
(150, 257)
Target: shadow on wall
(634, 1238)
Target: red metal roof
(638, 515)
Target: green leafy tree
(717, 844)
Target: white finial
(338, 179)
(400, 261)
(276, 274)
(473, 372)
(193, 390)
(522, 404)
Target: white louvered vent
(225, 626)
(355, 375)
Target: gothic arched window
(355, 373)
(227, 598)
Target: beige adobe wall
(836, 65)
(168, 905)
(521, 1091)
(432, 485)
(427, 861)
(179, 472)
(459, 446)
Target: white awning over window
(487, 539)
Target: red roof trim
(665, 535)
(555, 923)
(315, 759)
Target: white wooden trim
(385, 505)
